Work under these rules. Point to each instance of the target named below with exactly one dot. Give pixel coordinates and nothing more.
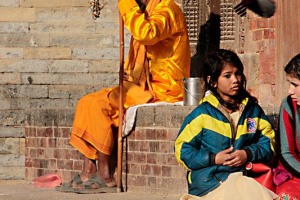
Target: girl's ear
(212, 84)
(208, 79)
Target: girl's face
(229, 82)
(294, 88)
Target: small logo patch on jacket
(251, 125)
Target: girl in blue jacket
(223, 133)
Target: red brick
(166, 171)
(45, 132)
(252, 24)
(171, 160)
(134, 168)
(269, 34)
(40, 153)
(78, 165)
(63, 143)
(30, 131)
(65, 164)
(271, 45)
(140, 157)
(257, 35)
(146, 170)
(156, 170)
(139, 134)
(43, 142)
(165, 147)
(52, 142)
(28, 162)
(144, 146)
(172, 134)
(262, 23)
(133, 146)
(260, 45)
(154, 146)
(30, 142)
(52, 164)
(134, 180)
(32, 152)
(65, 132)
(130, 156)
(151, 158)
(162, 134)
(150, 134)
(151, 182)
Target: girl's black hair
(293, 67)
(213, 66)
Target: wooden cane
(121, 106)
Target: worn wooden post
(121, 106)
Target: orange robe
(158, 60)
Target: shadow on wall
(208, 40)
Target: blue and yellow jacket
(207, 130)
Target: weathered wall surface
(51, 54)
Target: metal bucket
(193, 91)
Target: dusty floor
(22, 190)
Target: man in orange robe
(158, 60)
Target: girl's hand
(238, 158)
(223, 156)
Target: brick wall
(148, 157)
(259, 58)
(51, 54)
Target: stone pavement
(22, 190)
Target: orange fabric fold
(156, 70)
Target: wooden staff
(121, 106)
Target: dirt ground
(22, 190)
